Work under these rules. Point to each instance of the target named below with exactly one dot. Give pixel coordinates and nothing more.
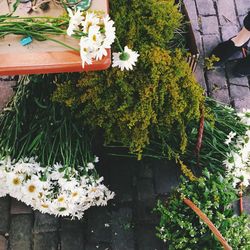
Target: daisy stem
(119, 44)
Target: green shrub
(181, 228)
(158, 97)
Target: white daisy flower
(126, 59)
(85, 51)
(75, 20)
(90, 20)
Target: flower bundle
(97, 34)
(237, 162)
(52, 189)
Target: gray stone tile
(145, 189)
(166, 176)
(229, 31)
(46, 241)
(21, 232)
(72, 235)
(199, 76)
(242, 81)
(123, 235)
(205, 7)
(146, 238)
(210, 25)
(18, 207)
(239, 93)
(210, 41)
(241, 104)
(45, 223)
(216, 79)
(99, 225)
(4, 214)
(3, 243)
(221, 95)
(227, 13)
(246, 202)
(242, 7)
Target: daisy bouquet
(237, 162)
(45, 154)
(97, 34)
(54, 189)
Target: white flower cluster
(97, 34)
(238, 160)
(25, 180)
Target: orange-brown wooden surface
(46, 56)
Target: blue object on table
(26, 40)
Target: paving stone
(227, 13)
(4, 214)
(205, 7)
(166, 176)
(221, 95)
(6, 93)
(229, 31)
(210, 25)
(242, 81)
(246, 202)
(210, 41)
(21, 232)
(46, 241)
(239, 93)
(199, 76)
(99, 225)
(71, 235)
(216, 79)
(195, 23)
(98, 246)
(144, 211)
(191, 11)
(146, 238)
(242, 7)
(3, 243)
(145, 170)
(241, 104)
(145, 189)
(18, 207)
(45, 223)
(120, 177)
(123, 229)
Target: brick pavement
(128, 223)
(214, 21)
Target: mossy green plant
(158, 97)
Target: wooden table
(46, 56)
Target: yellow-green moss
(158, 97)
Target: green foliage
(34, 126)
(209, 62)
(181, 228)
(157, 98)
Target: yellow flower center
(31, 188)
(94, 38)
(93, 190)
(16, 181)
(60, 199)
(74, 194)
(44, 205)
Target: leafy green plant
(181, 228)
(33, 126)
(156, 99)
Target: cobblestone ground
(128, 222)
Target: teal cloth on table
(83, 5)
